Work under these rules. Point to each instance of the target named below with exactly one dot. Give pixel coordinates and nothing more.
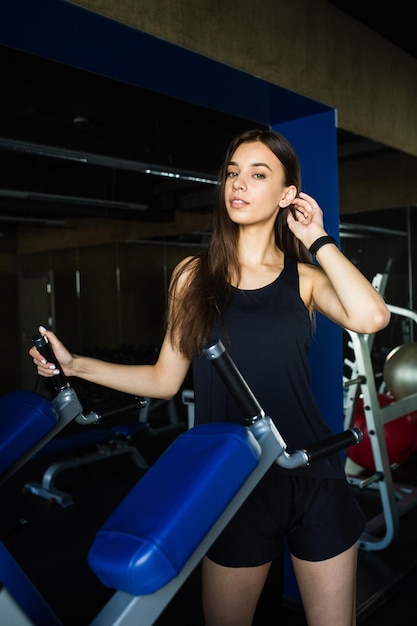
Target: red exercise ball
(400, 437)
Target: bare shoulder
(183, 272)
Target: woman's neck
(260, 263)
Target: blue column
(314, 139)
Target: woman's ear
(288, 197)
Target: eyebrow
(252, 165)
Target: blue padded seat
(152, 533)
(77, 441)
(25, 417)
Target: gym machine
(108, 443)
(149, 546)
(396, 499)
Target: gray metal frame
(395, 499)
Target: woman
(257, 289)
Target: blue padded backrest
(156, 528)
(25, 417)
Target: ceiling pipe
(32, 196)
(106, 161)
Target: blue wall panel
(314, 138)
(70, 34)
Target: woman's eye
(231, 174)
(259, 175)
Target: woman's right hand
(63, 356)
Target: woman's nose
(237, 183)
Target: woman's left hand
(307, 225)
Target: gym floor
(51, 542)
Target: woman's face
(255, 187)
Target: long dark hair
(207, 290)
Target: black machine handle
(335, 443)
(68, 402)
(252, 411)
(234, 381)
(41, 343)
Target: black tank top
(268, 337)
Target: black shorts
(318, 518)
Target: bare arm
(161, 380)
(344, 295)
(336, 288)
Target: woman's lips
(237, 202)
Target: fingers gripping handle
(234, 382)
(41, 343)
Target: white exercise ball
(400, 370)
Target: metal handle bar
(253, 412)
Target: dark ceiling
(147, 155)
(394, 21)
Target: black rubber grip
(59, 381)
(252, 410)
(335, 443)
(234, 381)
